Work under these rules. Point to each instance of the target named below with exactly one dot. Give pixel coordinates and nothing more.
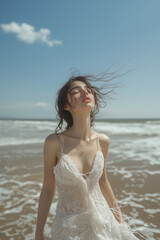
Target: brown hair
(62, 99)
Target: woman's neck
(81, 127)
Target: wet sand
(21, 174)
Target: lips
(86, 99)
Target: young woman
(75, 164)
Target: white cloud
(42, 104)
(27, 109)
(26, 105)
(27, 33)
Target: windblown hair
(99, 95)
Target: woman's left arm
(105, 186)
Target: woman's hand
(118, 215)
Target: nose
(85, 92)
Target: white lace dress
(82, 213)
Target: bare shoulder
(51, 147)
(52, 139)
(103, 138)
(104, 142)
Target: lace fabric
(82, 213)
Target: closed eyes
(79, 90)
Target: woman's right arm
(49, 184)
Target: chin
(90, 107)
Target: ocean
(133, 169)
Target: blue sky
(41, 42)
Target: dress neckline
(76, 167)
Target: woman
(75, 163)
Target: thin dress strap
(97, 141)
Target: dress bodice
(73, 189)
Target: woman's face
(80, 96)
